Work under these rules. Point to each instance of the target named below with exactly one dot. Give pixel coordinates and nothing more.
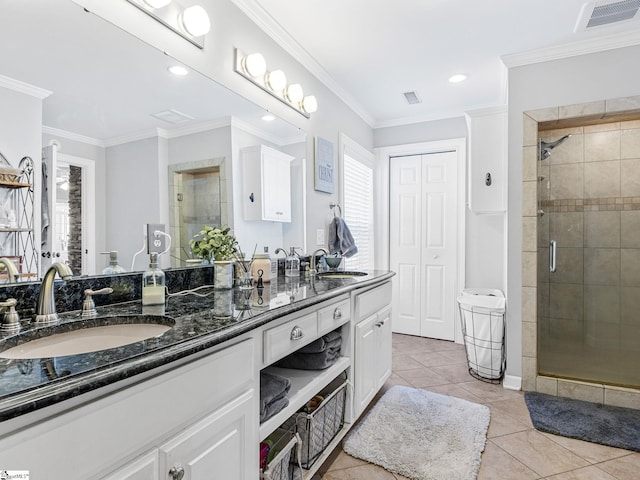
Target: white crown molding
(197, 128)
(22, 87)
(56, 132)
(272, 28)
(582, 47)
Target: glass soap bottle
(292, 264)
(113, 263)
(153, 282)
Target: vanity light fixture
(191, 23)
(253, 67)
(309, 104)
(276, 80)
(196, 21)
(294, 93)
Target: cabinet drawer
(289, 337)
(373, 300)
(331, 317)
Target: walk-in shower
(589, 253)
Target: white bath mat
(422, 435)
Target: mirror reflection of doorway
(197, 200)
(68, 227)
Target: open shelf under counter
(304, 385)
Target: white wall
(134, 173)
(433, 130)
(585, 78)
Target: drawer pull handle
(177, 473)
(337, 314)
(381, 323)
(296, 333)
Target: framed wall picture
(324, 165)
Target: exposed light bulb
(309, 104)
(196, 21)
(276, 80)
(254, 64)
(294, 93)
(157, 3)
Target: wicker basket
(8, 174)
(282, 441)
(319, 427)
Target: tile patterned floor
(514, 449)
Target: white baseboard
(511, 382)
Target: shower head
(546, 147)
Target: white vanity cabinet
(266, 184)
(372, 334)
(191, 417)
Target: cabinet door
(365, 371)
(144, 468)
(223, 445)
(383, 347)
(276, 186)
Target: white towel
(340, 238)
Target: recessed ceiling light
(460, 77)
(178, 70)
(268, 118)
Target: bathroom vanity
(186, 404)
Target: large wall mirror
(125, 142)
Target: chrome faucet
(12, 271)
(46, 304)
(313, 260)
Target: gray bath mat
(422, 435)
(593, 422)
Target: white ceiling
(371, 51)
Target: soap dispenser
(292, 264)
(113, 263)
(153, 283)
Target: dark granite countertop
(200, 321)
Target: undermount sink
(341, 274)
(90, 336)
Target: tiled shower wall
(590, 195)
(598, 186)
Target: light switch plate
(320, 236)
(155, 243)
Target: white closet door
(423, 243)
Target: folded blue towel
(340, 238)
(273, 394)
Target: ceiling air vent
(172, 116)
(606, 12)
(412, 97)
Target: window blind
(358, 211)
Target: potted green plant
(217, 245)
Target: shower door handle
(552, 256)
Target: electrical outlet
(320, 236)
(155, 243)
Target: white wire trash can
(482, 314)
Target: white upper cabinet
(266, 184)
(487, 159)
